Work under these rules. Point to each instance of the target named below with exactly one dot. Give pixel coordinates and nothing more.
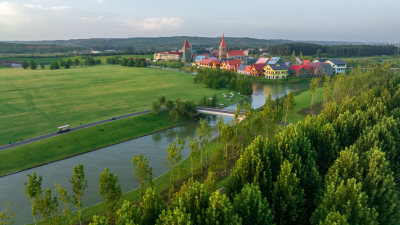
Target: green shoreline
(86, 140)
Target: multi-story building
(338, 65)
(276, 71)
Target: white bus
(64, 128)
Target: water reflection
(117, 158)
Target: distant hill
(167, 43)
(18, 48)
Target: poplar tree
(111, 192)
(203, 134)
(288, 197)
(151, 206)
(6, 217)
(33, 189)
(79, 185)
(194, 154)
(220, 210)
(174, 158)
(142, 171)
(314, 88)
(252, 207)
(48, 208)
(348, 199)
(66, 199)
(289, 104)
(210, 181)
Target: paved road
(72, 129)
(5, 147)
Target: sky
(335, 20)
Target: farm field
(37, 102)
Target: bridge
(215, 111)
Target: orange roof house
(257, 69)
(231, 65)
(209, 63)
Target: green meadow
(51, 59)
(303, 104)
(35, 102)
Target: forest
(337, 167)
(287, 49)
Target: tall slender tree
(111, 192)
(33, 189)
(142, 172)
(79, 185)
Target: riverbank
(82, 141)
(289, 80)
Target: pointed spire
(186, 45)
(223, 44)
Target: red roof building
(235, 52)
(209, 63)
(301, 70)
(258, 69)
(231, 65)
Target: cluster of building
(240, 62)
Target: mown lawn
(81, 141)
(37, 102)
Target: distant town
(239, 61)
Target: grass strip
(82, 141)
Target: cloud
(99, 1)
(39, 6)
(32, 6)
(60, 7)
(155, 24)
(11, 15)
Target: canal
(117, 158)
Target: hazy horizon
(350, 21)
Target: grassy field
(81, 141)
(37, 102)
(49, 60)
(303, 102)
(394, 61)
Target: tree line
(333, 50)
(58, 64)
(217, 79)
(129, 62)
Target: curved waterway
(117, 158)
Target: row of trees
(217, 79)
(58, 64)
(176, 109)
(130, 62)
(333, 50)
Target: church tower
(187, 52)
(222, 50)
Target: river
(117, 158)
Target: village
(239, 61)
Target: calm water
(117, 158)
